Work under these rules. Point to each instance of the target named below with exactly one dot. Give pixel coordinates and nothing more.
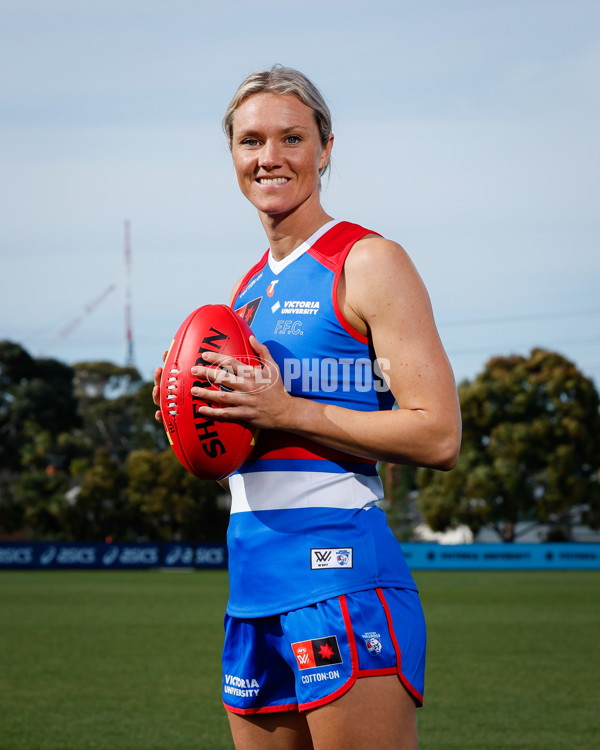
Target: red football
(209, 448)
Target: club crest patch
(372, 642)
(331, 557)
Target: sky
(466, 130)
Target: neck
(286, 232)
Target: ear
(326, 153)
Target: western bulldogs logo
(343, 557)
(373, 642)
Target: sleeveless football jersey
(304, 522)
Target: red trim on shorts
(353, 661)
(263, 710)
(417, 697)
(377, 672)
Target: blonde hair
(282, 80)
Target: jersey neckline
(277, 266)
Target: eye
(249, 142)
(293, 139)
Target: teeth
(272, 180)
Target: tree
(173, 503)
(36, 397)
(38, 411)
(82, 457)
(41, 495)
(116, 409)
(531, 449)
(399, 489)
(99, 508)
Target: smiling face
(277, 153)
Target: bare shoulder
(380, 274)
(374, 245)
(235, 290)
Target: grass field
(128, 660)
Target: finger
(211, 394)
(270, 369)
(228, 414)
(230, 375)
(261, 350)
(217, 361)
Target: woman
(325, 637)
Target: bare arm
(383, 296)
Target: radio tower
(128, 334)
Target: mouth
(272, 180)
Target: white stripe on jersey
(262, 490)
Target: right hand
(156, 390)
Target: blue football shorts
(309, 657)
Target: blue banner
(419, 556)
(194, 556)
(564, 556)
(104, 556)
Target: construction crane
(68, 329)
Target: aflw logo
(318, 652)
(304, 658)
(331, 557)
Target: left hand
(257, 396)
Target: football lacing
(172, 397)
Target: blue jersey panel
(310, 550)
(303, 523)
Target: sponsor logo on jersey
(248, 311)
(300, 307)
(271, 288)
(289, 326)
(318, 652)
(372, 642)
(332, 674)
(250, 285)
(242, 687)
(275, 306)
(331, 557)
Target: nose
(270, 155)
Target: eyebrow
(283, 131)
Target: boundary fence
(172, 555)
